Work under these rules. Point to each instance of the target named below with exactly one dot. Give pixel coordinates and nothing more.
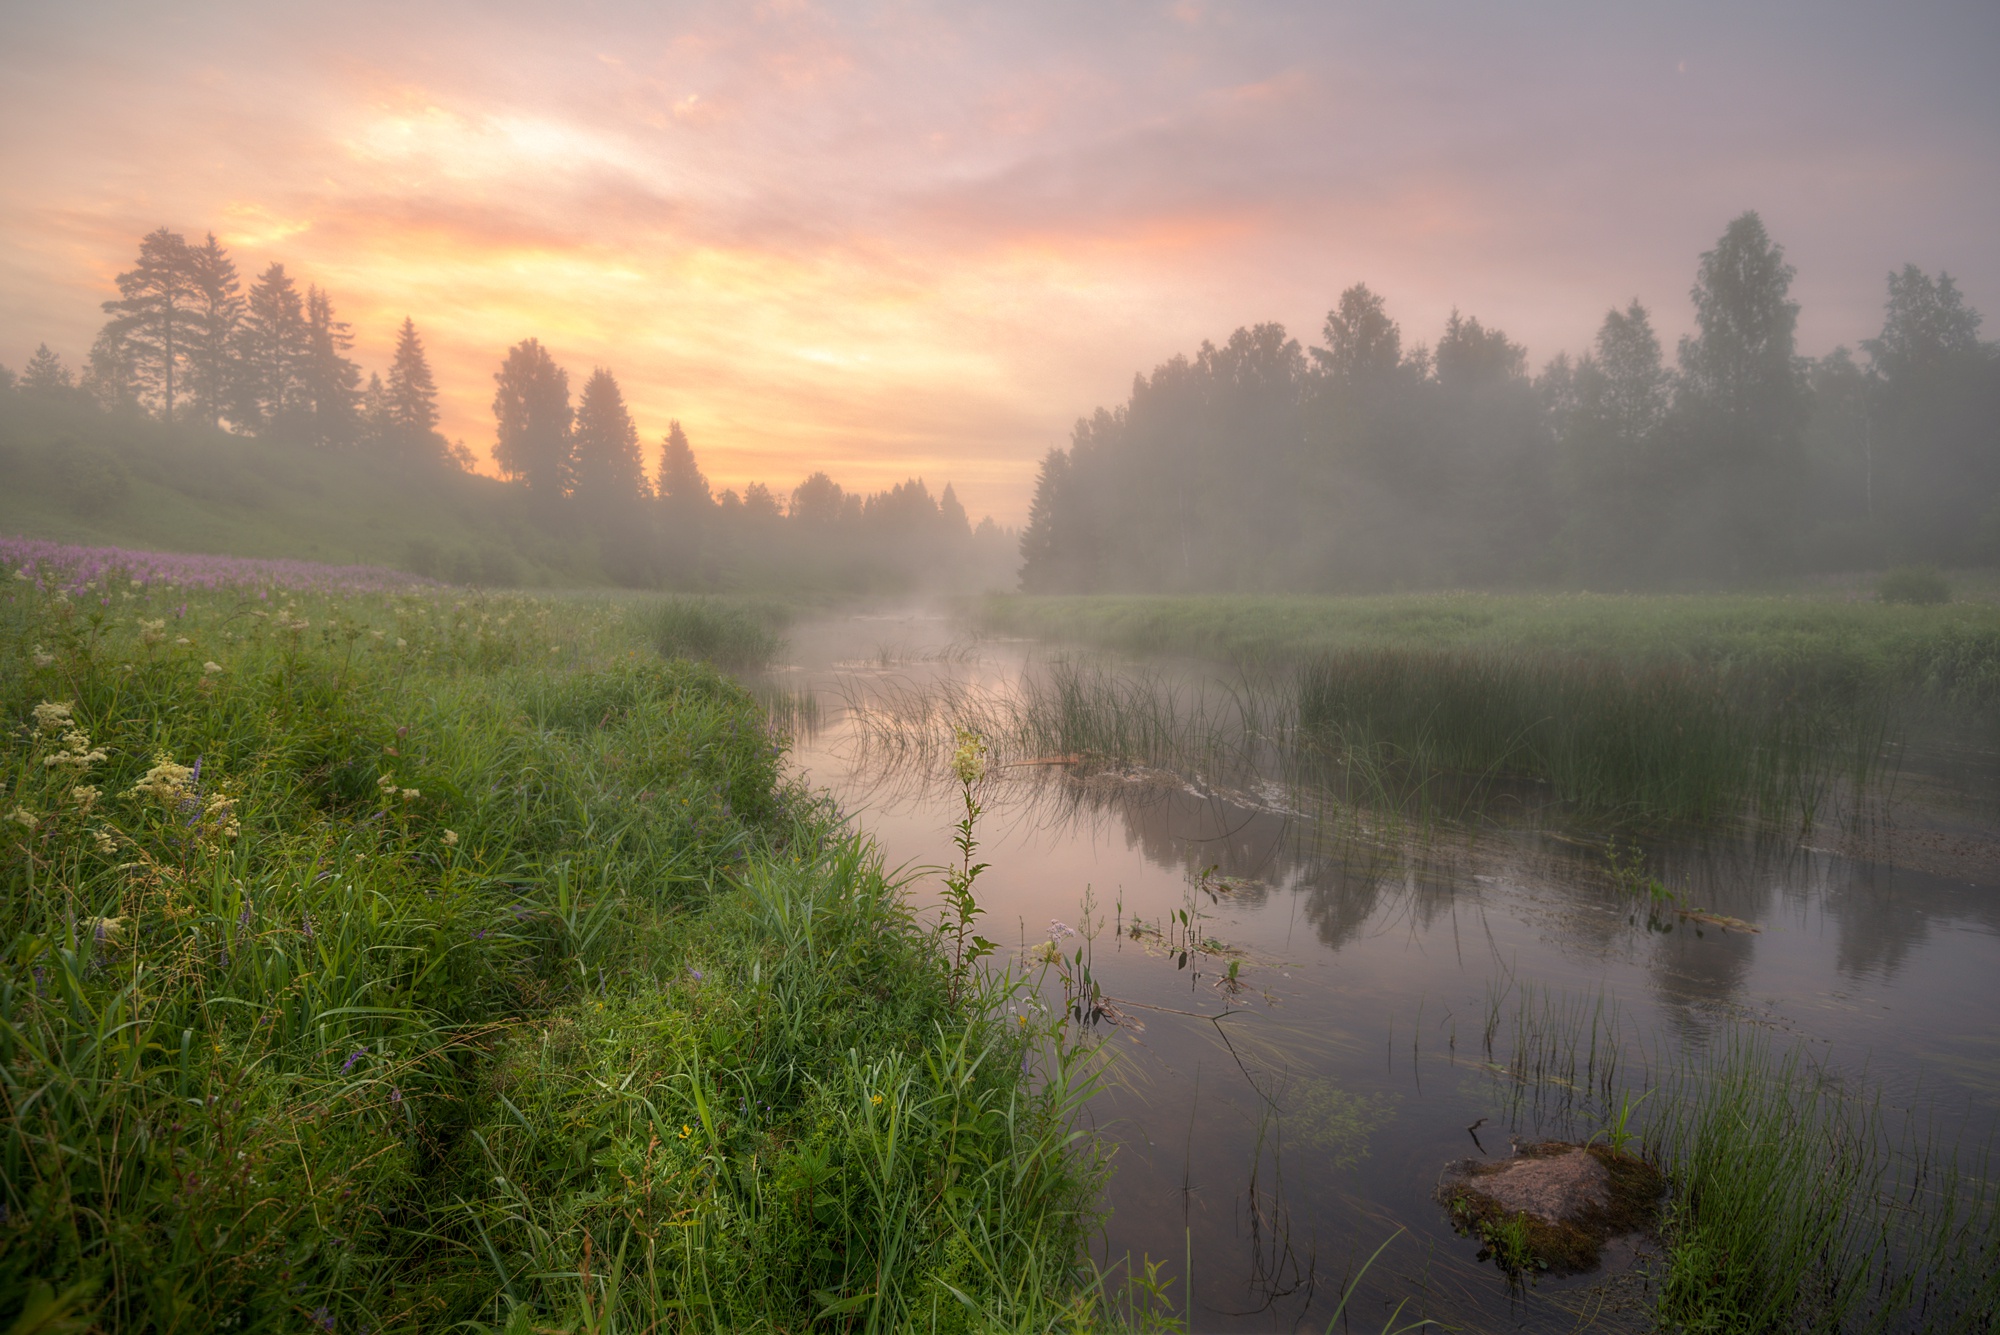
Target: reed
(1669, 742)
(730, 633)
(1797, 1201)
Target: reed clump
(731, 633)
(413, 962)
(1661, 742)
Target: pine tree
(605, 446)
(272, 345)
(46, 375)
(155, 318)
(409, 400)
(532, 416)
(680, 482)
(329, 383)
(218, 308)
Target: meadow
(387, 957)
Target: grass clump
(730, 633)
(1918, 586)
(389, 962)
(1668, 742)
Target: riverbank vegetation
(1654, 708)
(407, 959)
(1799, 1198)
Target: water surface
(1275, 1128)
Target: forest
(1370, 463)
(190, 365)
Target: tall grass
(731, 633)
(1668, 742)
(1797, 1201)
(395, 962)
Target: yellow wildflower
(51, 717)
(450, 839)
(23, 817)
(85, 798)
(210, 668)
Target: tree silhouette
(218, 309)
(272, 346)
(45, 374)
(532, 417)
(154, 319)
(329, 384)
(604, 446)
(409, 398)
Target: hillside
(76, 474)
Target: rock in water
(1553, 1205)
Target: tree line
(1364, 463)
(186, 344)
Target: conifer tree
(218, 308)
(45, 374)
(329, 383)
(155, 319)
(409, 399)
(272, 346)
(531, 412)
(604, 448)
(680, 482)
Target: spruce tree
(329, 383)
(46, 375)
(608, 470)
(272, 345)
(218, 308)
(531, 413)
(409, 399)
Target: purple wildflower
(395, 1096)
(67, 567)
(352, 1058)
(322, 1317)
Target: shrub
(1919, 585)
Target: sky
(909, 239)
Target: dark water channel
(1278, 1129)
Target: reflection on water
(1317, 998)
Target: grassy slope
(193, 490)
(523, 994)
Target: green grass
(731, 633)
(486, 976)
